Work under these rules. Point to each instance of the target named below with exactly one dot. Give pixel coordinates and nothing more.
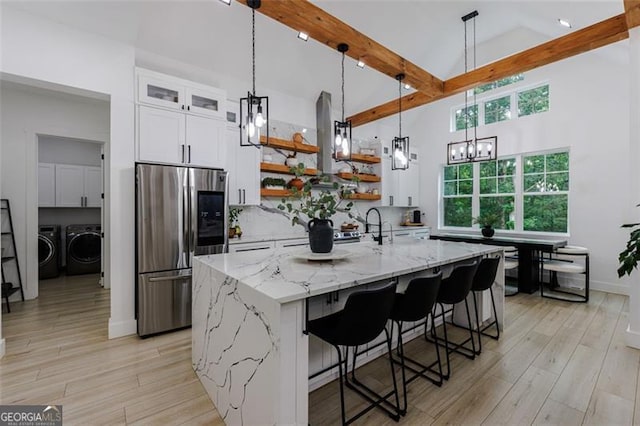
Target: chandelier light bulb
(489, 147)
(345, 148)
(259, 118)
(479, 149)
(338, 139)
(251, 129)
(453, 153)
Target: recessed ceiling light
(303, 36)
(227, 2)
(564, 23)
(360, 64)
(407, 86)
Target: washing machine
(49, 255)
(83, 249)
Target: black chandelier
(474, 149)
(342, 129)
(400, 144)
(254, 110)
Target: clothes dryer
(49, 254)
(83, 249)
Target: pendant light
(400, 145)
(475, 149)
(254, 109)
(342, 129)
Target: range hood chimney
(325, 132)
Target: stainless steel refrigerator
(180, 212)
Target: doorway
(51, 137)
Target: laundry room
(52, 179)
(69, 199)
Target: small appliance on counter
(413, 218)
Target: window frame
(518, 197)
(511, 90)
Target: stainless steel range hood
(324, 124)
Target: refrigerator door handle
(171, 278)
(182, 148)
(244, 197)
(186, 220)
(239, 196)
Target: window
(501, 107)
(498, 83)
(497, 110)
(458, 195)
(461, 117)
(533, 101)
(497, 190)
(529, 192)
(546, 192)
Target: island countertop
(281, 277)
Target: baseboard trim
(607, 287)
(632, 338)
(122, 328)
(2, 348)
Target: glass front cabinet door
(162, 93)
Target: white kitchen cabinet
(176, 138)
(174, 93)
(400, 188)
(296, 242)
(92, 186)
(46, 185)
(78, 186)
(243, 247)
(243, 165)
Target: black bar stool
(416, 304)
(363, 318)
(483, 280)
(455, 289)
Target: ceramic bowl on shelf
(345, 170)
(362, 189)
(267, 158)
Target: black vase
(488, 231)
(321, 235)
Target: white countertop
(283, 278)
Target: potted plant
(234, 226)
(319, 207)
(487, 221)
(273, 183)
(629, 257)
(296, 182)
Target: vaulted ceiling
(211, 35)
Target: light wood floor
(556, 363)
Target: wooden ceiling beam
(301, 15)
(632, 12)
(601, 34)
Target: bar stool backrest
(455, 288)
(485, 274)
(419, 298)
(365, 315)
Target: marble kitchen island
(249, 349)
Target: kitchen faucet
(366, 225)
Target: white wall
(53, 149)
(45, 53)
(26, 113)
(589, 113)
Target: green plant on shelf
(273, 182)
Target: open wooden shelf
(367, 197)
(289, 145)
(284, 169)
(359, 158)
(264, 192)
(363, 178)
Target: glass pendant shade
(342, 140)
(400, 154)
(254, 115)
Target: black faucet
(366, 225)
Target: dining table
(530, 253)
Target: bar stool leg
(342, 410)
(446, 342)
(473, 345)
(475, 308)
(400, 351)
(495, 316)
